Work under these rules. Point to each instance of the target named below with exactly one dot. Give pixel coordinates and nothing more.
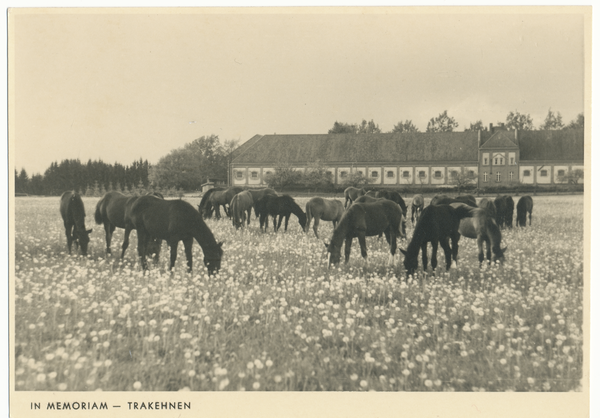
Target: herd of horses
(363, 214)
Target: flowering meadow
(277, 319)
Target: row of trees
(84, 178)
(445, 123)
(185, 168)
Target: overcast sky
(120, 87)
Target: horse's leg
(488, 251)
(363, 245)
(217, 211)
(126, 241)
(348, 248)
(173, 246)
(287, 220)
(455, 239)
(187, 244)
(249, 215)
(108, 235)
(424, 255)
(308, 221)
(315, 227)
(530, 218)
(275, 223)
(157, 254)
(68, 233)
(142, 244)
(434, 247)
(447, 252)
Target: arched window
(390, 174)
(374, 174)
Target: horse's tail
(98, 214)
(309, 215)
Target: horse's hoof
(453, 265)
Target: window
(561, 173)
(343, 174)
(454, 174)
(329, 173)
(471, 173)
(495, 161)
(485, 156)
(360, 172)
(390, 174)
(485, 177)
(437, 174)
(499, 159)
(267, 173)
(498, 177)
(374, 174)
(254, 174)
(239, 175)
(543, 173)
(421, 174)
(526, 173)
(485, 161)
(511, 176)
(406, 174)
(512, 160)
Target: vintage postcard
(186, 186)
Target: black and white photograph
(318, 211)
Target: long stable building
(495, 157)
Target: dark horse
(282, 206)
(524, 206)
(417, 207)
(216, 198)
(174, 221)
(73, 215)
(205, 207)
(437, 224)
(351, 194)
(365, 220)
(240, 205)
(111, 211)
(482, 227)
(258, 194)
(395, 197)
(318, 208)
(505, 207)
(442, 199)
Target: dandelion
(62, 386)
(405, 372)
(428, 383)
(353, 376)
(530, 380)
(41, 378)
(277, 378)
(192, 373)
(255, 385)
(137, 385)
(363, 384)
(223, 384)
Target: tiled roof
(343, 148)
(501, 139)
(566, 144)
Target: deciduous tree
(406, 126)
(442, 123)
(516, 120)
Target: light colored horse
(241, 204)
(325, 209)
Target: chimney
(517, 136)
(479, 138)
(491, 128)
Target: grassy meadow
(276, 319)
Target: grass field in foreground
(276, 318)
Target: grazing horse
(482, 227)
(524, 206)
(110, 212)
(73, 215)
(240, 204)
(395, 197)
(205, 207)
(417, 207)
(372, 193)
(174, 221)
(437, 224)
(489, 207)
(442, 199)
(351, 194)
(258, 194)
(325, 209)
(217, 198)
(505, 207)
(365, 220)
(282, 206)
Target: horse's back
(71, 206)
